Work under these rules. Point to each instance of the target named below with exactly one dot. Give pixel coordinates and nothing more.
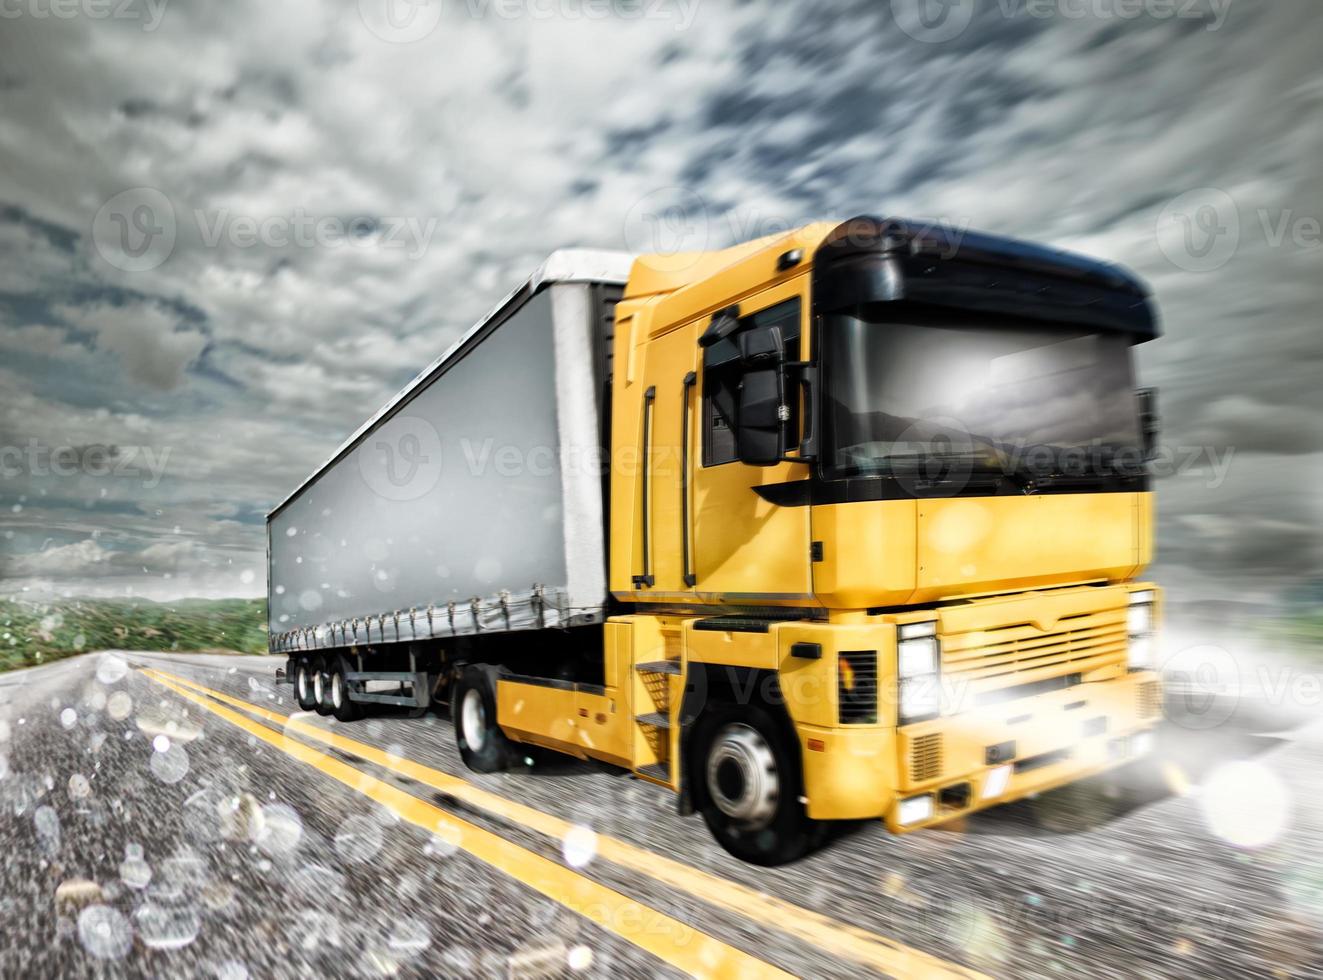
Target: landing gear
(747, 785)
(482, 744)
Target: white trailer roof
(562, 265)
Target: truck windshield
(1026, 401)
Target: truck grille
(926, 757)
(1022, 653)
(857, 687)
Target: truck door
(667, 416)
(745, 548)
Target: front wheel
(747, 780)
(482, 744)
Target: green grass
(39, 632)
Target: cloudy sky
(229, 231)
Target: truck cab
(886, 526)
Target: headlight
(917, 657)
(1140, 619)
(1139, 627)
(920, 698)
(918, 667)
(914, 810)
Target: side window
(722, 372)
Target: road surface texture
(175, 815)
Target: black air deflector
(877, 260)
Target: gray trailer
(473, 501)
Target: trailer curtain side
(473, 504)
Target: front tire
(482, 744)
(748, 786)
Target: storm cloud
(330, 202)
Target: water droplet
(579, 958)
(280, 831)
(579, 846)
(167, 920)
(104, 933)
(68, 717)
(110, 668)
(170, 765)
(358, 839)
(119, 705)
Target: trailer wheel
(341, 707)
(304, 685)
(321, 685)
(482, 744)
(748, 786)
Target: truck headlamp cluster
(1139, 627)
(918, 670)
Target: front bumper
(1046, 741)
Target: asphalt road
(154, 830)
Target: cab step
(658, 772)
(655, 719)
(659, 667)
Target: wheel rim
(301, 679)
(318, 687)
(742, 779)
(473, 720)
(337, 690)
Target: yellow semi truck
(845, 523)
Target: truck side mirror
(1150, 425)
(760, 418)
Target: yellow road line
(665, 937)
(837, 938)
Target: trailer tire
(304, 692)
(482, 744)
(747, 784)
(338, 693)
(321, 682)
